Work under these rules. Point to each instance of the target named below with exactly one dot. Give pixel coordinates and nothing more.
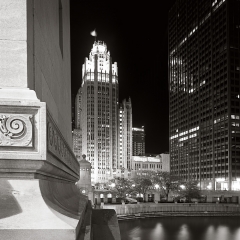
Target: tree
(166, 182)
(141, 185)
(189, 189)
(120, 185)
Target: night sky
(136, 36)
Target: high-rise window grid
(204, 90)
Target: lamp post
(157, 187)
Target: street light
(112, 185)
(157, 187)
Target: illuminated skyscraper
(125, 135)
(77, 142)
(99, 118)
(77, 131)
(204, 81)
(138, 141)
(78, 109)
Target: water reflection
(135, 233)
(158, 233)
(236, 234)
(184, 233)
(209, 233)
(222, 233)
(219, 233)
(191, 228)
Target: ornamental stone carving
(59, 148)
(16, 130)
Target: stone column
(105, 200)
(38, 170)
(98, 199)
(209, 198)
(114, 198)
(156, 196)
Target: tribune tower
(100, 112)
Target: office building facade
(204, 57)
(138, 141)
(125, 135)
(99, 116)
(142, 164)
(77, 130)
(77, 143)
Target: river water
(181, 228)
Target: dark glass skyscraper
(204, 98)
(138, 141)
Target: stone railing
(150, 208)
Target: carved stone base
(31, 145)
(40, 209)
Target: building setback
(99, 118)
(138, 141)
(204, 65)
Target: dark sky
(136, 36)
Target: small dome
(84, 162)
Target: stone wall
(49, 67)
(149, 208)
(31, 55)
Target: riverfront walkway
(177, 214)
(144, 210)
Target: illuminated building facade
(77, 143)
(138, 141)
(78, 108)
(77, 131)
(125, 135)
(142, 164)
(204, 65)
(99, 118)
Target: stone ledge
(31, 145)
(12, 94)
(30, 169)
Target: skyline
(142, 64)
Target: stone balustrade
(129, 209)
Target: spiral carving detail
(15, 130)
